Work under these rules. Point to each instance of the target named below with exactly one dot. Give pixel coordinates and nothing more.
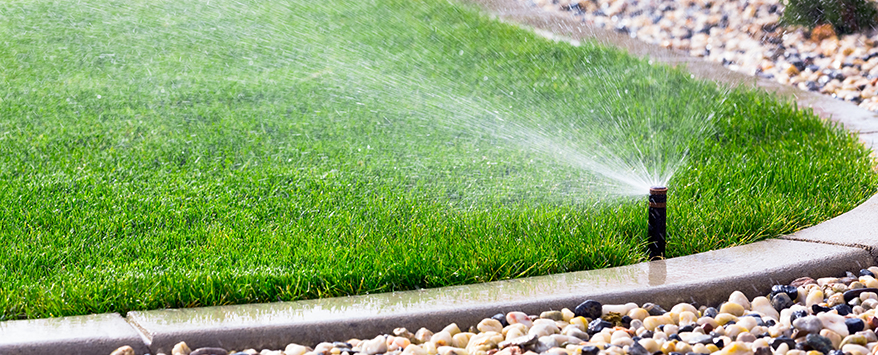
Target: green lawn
(180, 153)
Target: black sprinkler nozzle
(656, 223)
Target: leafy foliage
(845, 16)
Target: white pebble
(518, 318)
(747, 322)
(855, 349)
(451, 329)
(618, 308)
(567, 315)
(543, 329)
(684, 307)
(423, 335)
(413, 349)
(738, 297)
(833, 322)
(295, 349)
(460, 340)
(441, 339)
(378, 345)
(762, 305)
(814, 297)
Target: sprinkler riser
(657, 223)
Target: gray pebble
(589, 309)
(573, 331)
(781, 301)
(654, 309)
(553, 315)
(637, 349)
(543, 344)
(819, 343)
(808, 325)
(521, 342)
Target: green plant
(845, 16)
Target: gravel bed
(833, 315)
(745, 36)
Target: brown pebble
(822, 32)
(707, 328)
(802, 281)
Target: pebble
(378, 345)
(209, 351)
(452, 329)
(294, 349)
(819, 343)
(589, 309)
(490, 325)
(654, 309)
(598, 325)
(123, 350)
(500, 317)
(834, 322)
(544, 329)
(855, 349)
(854, 324)
(573, 331)
(808, 325)
(732, 308)
(181, 349)
(553, 315)
(519, 318)
(762, 305)
(520, 342)
(619, 308)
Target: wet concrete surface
(857, 228)
(91, 334)
(706, 278)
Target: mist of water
(620, 154)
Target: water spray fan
(656, 222)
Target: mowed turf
(189, 153)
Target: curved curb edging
(707, 278)
(847, 242)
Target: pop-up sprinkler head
(656, 223)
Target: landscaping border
(847, 242)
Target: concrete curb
(847, 242)
(91, 334)
(707, 278)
